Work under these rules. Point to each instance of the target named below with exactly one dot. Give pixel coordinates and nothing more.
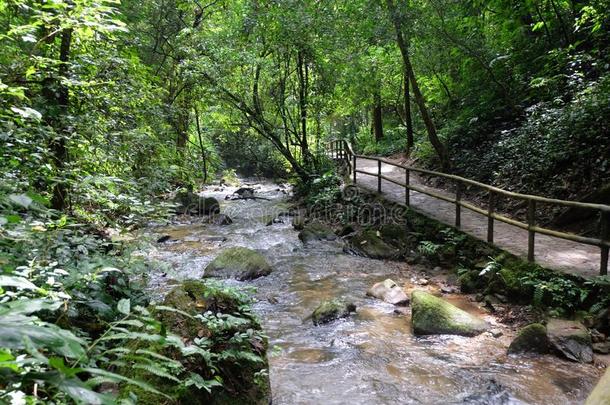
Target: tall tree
(440, 149)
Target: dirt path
(554, 253)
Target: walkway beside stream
(551, 252)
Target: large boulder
(434, 316)
(388, 291)
(395, 235)
(530, 339)
(369, 244)
(571, 339)
(331, 310)
(194, 204)
(601, 393)
(244, 378)
(316, 231)
(240, 263)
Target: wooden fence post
(531, 234)
(407, 189)
(490, 219)
(604, 235)
(379, 176)
(458, 207)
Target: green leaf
(29, 306)
(20, 199)
(200, 383)
(58, 364)
(76, 389)
(13, 219)
(124, 306)
(17, 282)
(16, 328)
(38, 198)
(120, 378)
(7, 360)
(27, 112)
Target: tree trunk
(440, 149)
(377, 116)
(58, 98)
(204, 157)
(408, 118)
(303, 75)
(181, 123)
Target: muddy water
(372, 357)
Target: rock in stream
(240, 263)
(434, 316)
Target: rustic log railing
(342, 152)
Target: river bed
(371, 357)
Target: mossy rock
(512, 281)
(240, 263)
(196, 297)
(331, 310)
(394, 234)
(243, 380)
(570, 339)
(470, 282)
(601, 393)
(530, 339)
(369, 244)
(434, 316)
(316, 232)
(194, 204)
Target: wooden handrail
(342, 151)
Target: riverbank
(373, 355)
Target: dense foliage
(108, 107)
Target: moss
(331, 310)
(316, 231)
(434, 316)
(394, 234)
(240, 263)
(469, 282)
(369, 244)
(512, 281)
(532, 339)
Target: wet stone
(331, 310)
(434, 316)
(571, 339)
(240, 263)
(530, 339)
(390, 292)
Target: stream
(371, 357)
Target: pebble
(597, 336)
(495, 333)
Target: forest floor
(551, 252)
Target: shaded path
(559, 254)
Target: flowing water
(372, 357)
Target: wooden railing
(341, 151)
